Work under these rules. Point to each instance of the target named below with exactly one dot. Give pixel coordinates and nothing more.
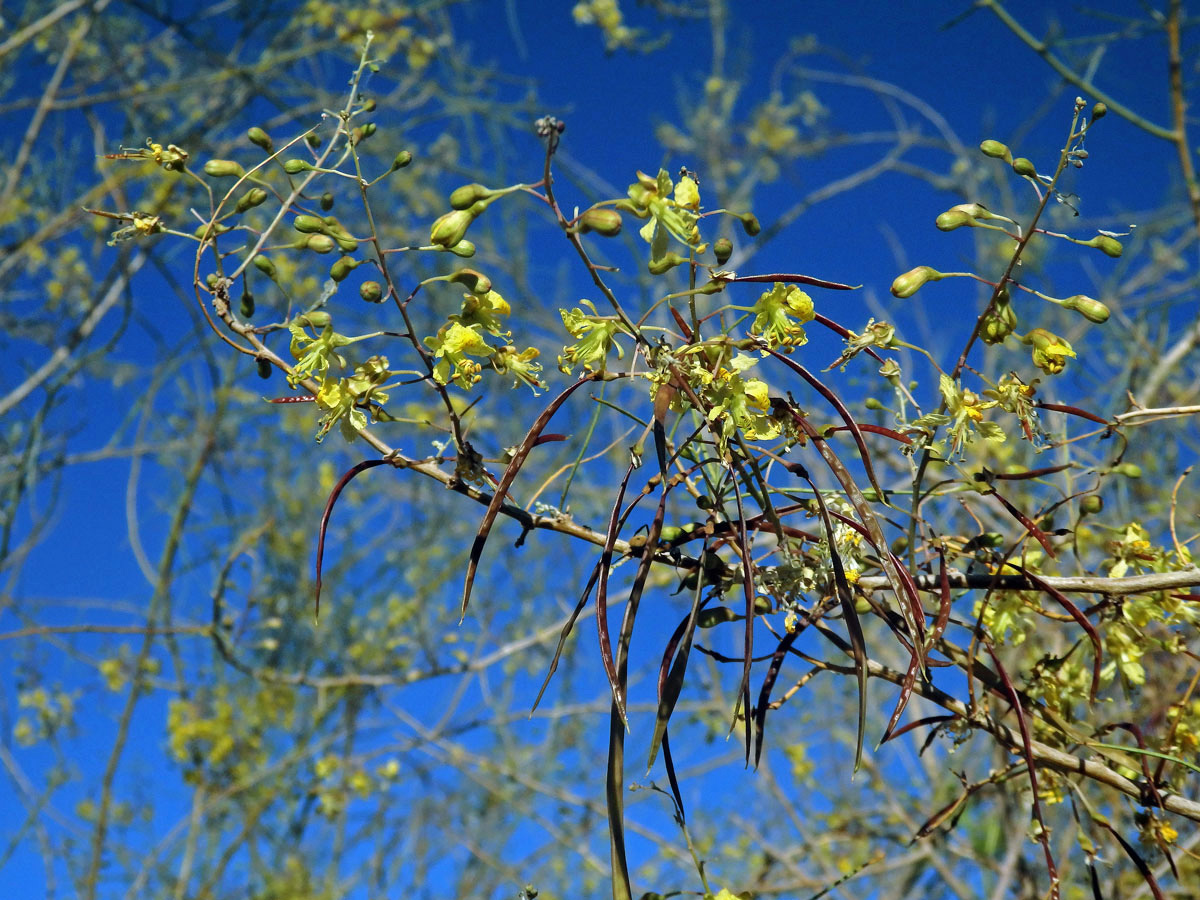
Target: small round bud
(996, 150)
(260, 138)
(296, 166)
(252, 198)
(264, 265)
(1023, 166)
(223, 168)
(1091, 504)
(872, 403)
(369, 104)
(1099, 111)
(371, 291)
(403, 158)
(211, 280)
(317, 319)
(606, 222)
(723, 249)
(750, 224)
(342, 268)
(953, 218)
(264, 368)
(362, 132)
(465, 249)
(320, 243)
(309, 225)
(326, 201)
(246, 308)
(313, 139)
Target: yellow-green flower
(594, 336)
(780, 314)
(484, 311)
(508, 361)
(1050, 352)
(452, 347)
(673, 211)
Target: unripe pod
(320, 243)
(996, 150)
(1091, 504)
(750, 224)
(309, 225)
(223, 168)
(606, 222)
(1107, 245)
(343, 267)
(264, 265)
(326, 201)
(260, 138)
(475, 282)
(723, 249)
(1023, 166)
(296, 166)
(451, 228)
(371, 291)
(252, 198)
(910, 282)
(468, 195)
(1090, 308)
(403, 158)
(465, 249)
(247, 305)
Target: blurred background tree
(174, 723)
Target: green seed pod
(665, 263)
(343, 267)
(309, 225)
(465, 249)
(1107, 245)
(750, 224)
(326, 201)
(320, 243)
(1088, 307)
(403, 158)
(1099, 111)
(451, 228)
(911, 281)
(247, 305)
(252, 198)
(1023, 166)
(264, 265)
(371, 291)
(264, 368)
(296, 166)
(1091, 504)
(606, 222)
(474, 281)
(223, 168)
(468, 195)
(723, 249)
(260, 138)
(714, 615)
(996, 150)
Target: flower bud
(475, 282)
(1109, 246)
(606, 222)
(264, 368)
(361, 133)
(1000, 321)
(1091, 309)
(465, 249)
(451, 228)
(264, 265)
(326, 201)
(665, 263)
(371, 291)
(211, 280)
(320, 243)
(996, 150)
(296, 166)
(750, 224)
(260, 138)
(246, 308)
(872, 403)
(343, 267)
(403, 158)
(317, 318)
(252, 198)
(723, 249)
(211, 229)
(910, 282)
(1091, 504)
(223, 168)
(954, 218)
(1129, 470)
(313, 139)
(1022, 166)
(369, 104)
(468, 195)
(309, 225)
(1099, 111)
